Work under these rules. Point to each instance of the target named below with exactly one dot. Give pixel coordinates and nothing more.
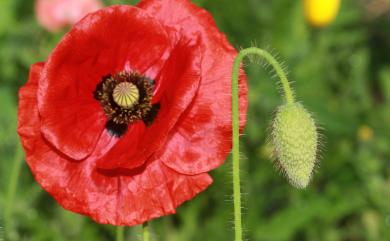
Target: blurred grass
(341, 73)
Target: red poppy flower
(130, 111)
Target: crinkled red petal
(157, 192)
(117, 197)
(105, 42)
(201, 140)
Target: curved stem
(288, 93)
(120, 233)
(145, 231)
(12, 186)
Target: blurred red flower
(130, 111)
(56, 14)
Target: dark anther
(115, 129)
(149, 118)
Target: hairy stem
(145, 231)
(120, 233)
(236, 124)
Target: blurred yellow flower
(320, 13)
(365, 133)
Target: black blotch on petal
(149, 118)
(117, 130)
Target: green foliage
(342, 73)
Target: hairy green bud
(295, 140)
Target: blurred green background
(340, 72)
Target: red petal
(201, 140)
(123, 153)
(108, 41)
(157, 192)
(73, 184)
(179, 79)
(27, 118)
(118, 198)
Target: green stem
(12, 186)
(120, 233)
(145, 231)
(236, 124)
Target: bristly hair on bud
(296, 143)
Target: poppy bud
(295, 139)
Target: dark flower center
(126, 98)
